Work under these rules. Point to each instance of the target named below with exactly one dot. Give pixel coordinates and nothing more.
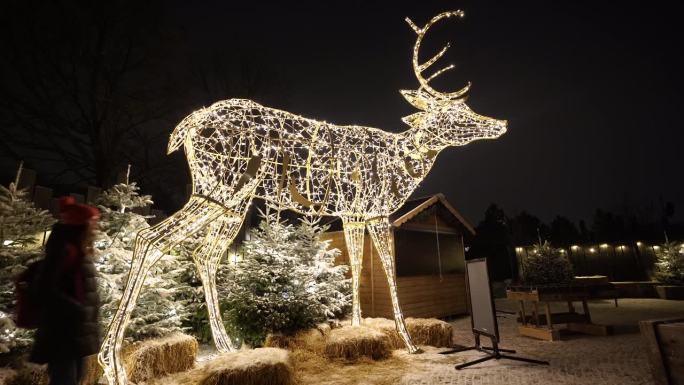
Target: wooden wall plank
(419, 296)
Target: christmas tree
(20, 220)
(547, 265)
(197, 320)
(669, 266)
(286, 281)
(160, 306)
(20, 224)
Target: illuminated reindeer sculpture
(238, 150)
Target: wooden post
(27, 180)
(665, 348)
(523, 316)
(42, 197)
(585, 307)
(549, 322)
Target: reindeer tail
(181, 131)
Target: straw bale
(33, 374)
(430, 331)
(310, 339)
(314, 369)
(354, 342)
(423, 331)
(261, 366)
(92, 371)
(156, 357)
(29, 374)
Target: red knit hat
(72, 213)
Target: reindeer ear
(414, 120)
(420, 100)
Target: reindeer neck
(422, 139)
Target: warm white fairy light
(238, 150)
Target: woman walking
(68, 328)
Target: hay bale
(430, 331)
(6, 374)
(261, 366)
(29, 374)
(388, 328)
(156, 357)
(310, 339)
(33, 374)
(423, 331)
(92, 371)
(355, 342)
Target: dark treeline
(498, 233)
(89, 87)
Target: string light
(238, 150)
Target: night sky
(591, 91)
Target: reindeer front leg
(381, 233)
(353, 236)
(150, 245)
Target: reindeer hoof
(415, 350)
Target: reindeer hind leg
(354, 233)
(381, 233)
(207, 256)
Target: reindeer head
(445, 112)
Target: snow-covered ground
(619, 359)
(577, 359)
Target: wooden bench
(541, 326)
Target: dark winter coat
(67, 289)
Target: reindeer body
(305, 165)
(238, 150)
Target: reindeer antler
(420, 68)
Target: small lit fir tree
(546, 265)
(20, 220)
(160, 307)
(669, 266)
(197, 320)
(21, 226)
(286, 281)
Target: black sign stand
(493, 353)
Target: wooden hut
(430, 261)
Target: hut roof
(413, 208)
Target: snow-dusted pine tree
(286, 281)
(20, 224)
(160, 307)
(669, 266)
(20, 220)
(197, 320)
(546, 265)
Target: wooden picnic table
(541, 326)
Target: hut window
(416, 253)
